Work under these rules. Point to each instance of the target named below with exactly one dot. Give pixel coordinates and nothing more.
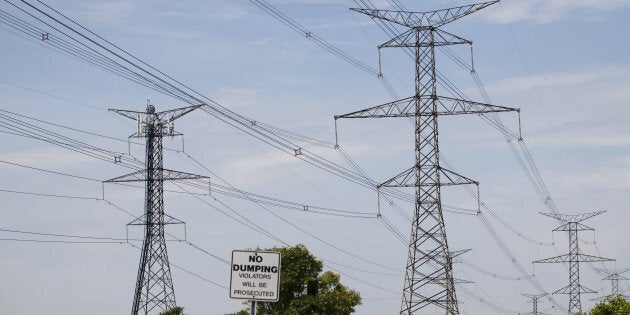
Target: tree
(241, 312)
(335, 298)
(305, 290)
(611, 306)
(177, 310)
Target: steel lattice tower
(154, 291)
(574, 257)
(534, 298)
(429, 271)
(614, 276)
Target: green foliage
(298, 267)
(335, 298)
(241, 312)
(177, 310)
(611, 306)
(299, 276)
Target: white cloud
(110, 12)
(238, 97)
(204, 13)
(230, 14)
(304, 2)
(590, 140)
(546, 11)
(585, 108)
(609, 75)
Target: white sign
(255, 275)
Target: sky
(563, 63)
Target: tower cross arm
(572, 258)
(612, 271)
(401, 108)
(450, 178)
(141, 176)
(556, 259)
(440, 38)
(424, 19)
(573, 217)
(168, 114)
(591, 258)
(142, 220)
(534, 296)
(453, 106)
(569, 226)
(131, 114)
(446, 106)
(615, 277)
(177, 112)
(407, 178)
(567, 290)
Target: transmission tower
(613, 275)
(534, 298)
(154, 291)
(429, 271)
(574, 257)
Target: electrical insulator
(139, 124)
(171, 125)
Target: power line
(69, 236)
(213, 187)
(47, 195)
(308, 34)
(189, 272)
(51, 95)
(289, 22)
(272, 136)
(50, 195)
(61, 242)
(49, 171)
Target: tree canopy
(177, 310)
(616, 305)
(305, 290)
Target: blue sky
(562, 62)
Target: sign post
(255, 276)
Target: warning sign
(255, 275)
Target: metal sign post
(253, 308)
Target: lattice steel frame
(574, 257)
(154, 291)
(534, 298)
(614, 276)
(429, 272)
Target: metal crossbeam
(143, 175)
(406, 107)
(407, 178)
(573, 217)
(408, 40)
(162, 117)
(572, 258)
(425, 19)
